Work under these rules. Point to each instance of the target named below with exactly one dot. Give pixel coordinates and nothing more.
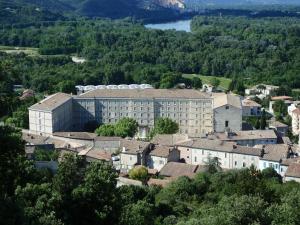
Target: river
(180, 25)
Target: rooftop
(145, 93)
(227, 99)
(51, 102)
(99, 154)
(76, 135)
(133, 146)
(169, 139)
(34, 139)
(159, 182)
(175, 169)
(293, 170)
(275, 98)
(296, 111)
(276, 152)
(223, 146)
(245, 135)
(161, 151)
(277, 124)
(250, 103)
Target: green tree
(106, 130)
(126, 127)
(196, 83)
(95, 198)
(215, 82)
(263, 120)
(165, 126)
(280, 107)
(139, 173)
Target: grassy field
(224, 82)
(17, 50)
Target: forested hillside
(250, 50)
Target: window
(226, 123)
(202, 152)
(244, 164)
(195, 158)
(227, 107)
(187, 149)
(225, 155)
(161, 162)
(130, 158)
(235, 163)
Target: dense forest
(252, 50)
(87, 194)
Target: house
(293, 172)
(230, 155)
(273, 156)
(176, 169)
(161, 155)
(247, 137)
(286, 99)
(261, 89)
(133, 153)
(227, 112)
(296, 121)
(251, 108)
(279, 127)
(208, 88)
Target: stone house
(161, 155)
(251, 108)
(227, 112)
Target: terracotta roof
(275, 98)
(161, 151)
(51, 102)
(227, 99)
(133, 146)
(250, 103)
(175, 169)
(145, 93)
(159, 182)
(293, 170)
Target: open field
(224, 82)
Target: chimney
(262, 152)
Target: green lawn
(224, 82)
(17, 50)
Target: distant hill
(241, 2)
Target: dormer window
(227, 107)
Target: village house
(251, 108)
(296, 121)
(133, 153)
(230, 155)
(227, 112)
(261, 89)
(247, 137)
(286, 99)
(177, 169)
(280, 128)
(161, 155)
(274, 155)
(293, 172)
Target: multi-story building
(227, 112)
(251, 108)
(191, 109)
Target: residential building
(251, 108)
(280, 128)
(274, 155)
(230, 155)
(227, 112)
(161, 155)
(169, 139)
(247, 137)
(293, 172)
(133, 153)
(191, 109)
(261, 89)
(286, 99)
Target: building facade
(191, 109)
(251, 108)
(227, 113)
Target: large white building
(191, 109)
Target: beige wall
(128, 161)
(295, 123)
(286, 179)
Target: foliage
(280, 108)
(126, 127)
(106, 130)
(165, 126)
(139, 173)
(45, 155)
